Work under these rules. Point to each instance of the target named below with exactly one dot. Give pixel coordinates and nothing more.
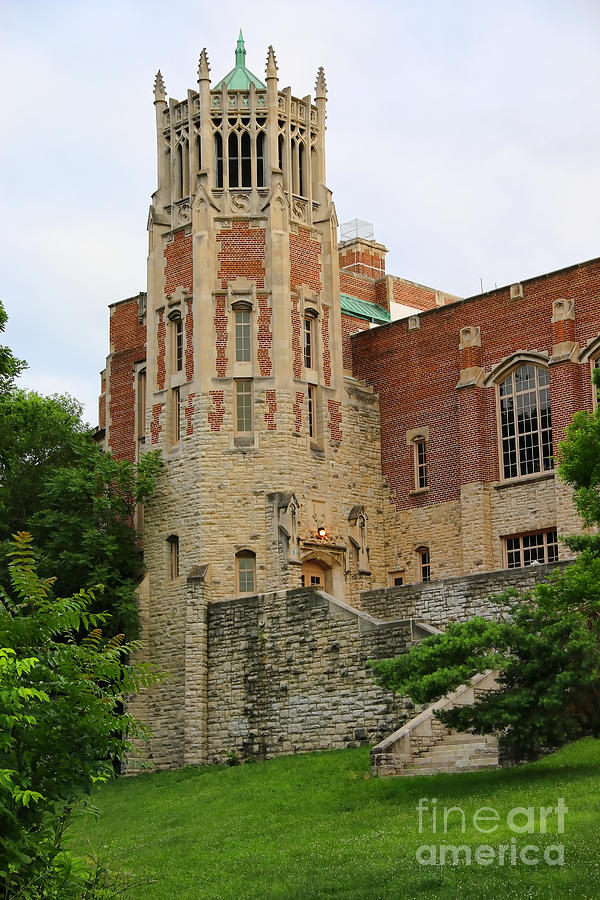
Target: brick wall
(350, 326)
(128, 345)
(305, 261)
(416, 372)
(179, 269)
(241, 253)
(411, 294)
(356, 286)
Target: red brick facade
(305, 261)
(241, 253)
(325, 345)
(271, 410)
(179, 268)
(221, 332)
(128, 347)
(350, 326)
(264, 336)
(416, 374)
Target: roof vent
(357, 228)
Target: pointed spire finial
(240, 51)
(271, 63)
(203, 67)
(159, 87)
(321, 85)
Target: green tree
(545, 643)
(85, 527)
(77, 501)
(10, 366)
(37, 435)
(61, 723)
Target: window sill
(244, 443)
(524, 479)
(418, 492)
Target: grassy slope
(317, 826)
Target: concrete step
(426, 765)
(457, 752)
(457, 756)
(456, 738)
(448, 770)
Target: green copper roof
(240, 78)
(362, 309)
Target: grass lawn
(317, 825)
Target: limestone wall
(453, 599)
(287, 673)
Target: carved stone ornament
(184, 213)
(299, 210)
(240, 203)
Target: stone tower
(272, 473)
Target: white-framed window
(243, 407)
(525, 422)
(420, 451)
(243, 337)
(528, 549)
(424, 563)
(309, 342)
(245, 568)
(178, 328)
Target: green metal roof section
(362, 309)
(240, 78)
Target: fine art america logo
(436, 821)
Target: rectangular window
(141, 405)
(178, 344)
(246, 568)
(243, 392)
(308, 342)
(420, 464)
(525, 420)
(173, 542)
(527, 549)
(242, 336)
(424, 564)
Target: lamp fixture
(321, 532)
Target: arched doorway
(323, 571)
(314, 574)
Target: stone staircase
(424, 746)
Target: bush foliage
(62, 723)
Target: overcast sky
(468, 133)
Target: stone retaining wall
(287, 673)
(453, 599)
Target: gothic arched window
(219, 159)
(260, 159)
(246, 160)
(233, 160)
